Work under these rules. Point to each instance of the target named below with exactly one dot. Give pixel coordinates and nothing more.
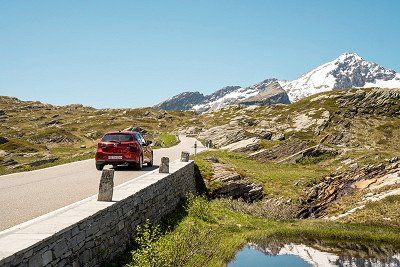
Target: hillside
(319, 157)
(35, 135)
(326, 167)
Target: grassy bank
(279, 180)
(166, 140)
(207, 233)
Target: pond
(317, 253)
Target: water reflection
(315, 253)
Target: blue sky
(137, 53)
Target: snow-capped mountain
(189, 100)
(265, 93)
(349, 70)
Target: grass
(266, 144)
(20, 146)
(209, 234)
(55, 163)
(278, 179)
(166, 140)
(384, 212)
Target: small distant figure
(208, 144)
(195, 147)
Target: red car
(123, 148)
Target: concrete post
(185, 156)
(106, 186)
(164, 167)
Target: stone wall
(99, 237)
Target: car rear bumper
(119, 162)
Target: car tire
(139, 166)
(150, 163)
(99, 167)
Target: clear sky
(137, 53)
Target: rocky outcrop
(262, 133)
(231, 185)
(250, 144)
(333, 187)
(8, 162)
(370, 102)
(281, 151)
(223, 135)
(310, 152)
(44, 160)
(3, 115)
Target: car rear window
(117, 138)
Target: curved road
(27, 195)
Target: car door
(147, 151)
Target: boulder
(3, 153)
(192, 130)
(262, 133)
(45, 160)
(278, 137)
(93, 135)
(250, 144)
(136, 129)
(232, 185)
(223, 135)
(3, 140)
(52, 122)
(8, 162)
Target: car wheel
(99, 167)
(150, 163)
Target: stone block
(106, 186)
(185, 156)
(164, 167)
(47, 257)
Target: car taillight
(132, 148)
(100, 146)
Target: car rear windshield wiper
(114, 141)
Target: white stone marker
(106, 185)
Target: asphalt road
(27, 195)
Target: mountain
(265, 93)
(269, 92)
(183, 101)
(349, 70)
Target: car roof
(122, 132)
